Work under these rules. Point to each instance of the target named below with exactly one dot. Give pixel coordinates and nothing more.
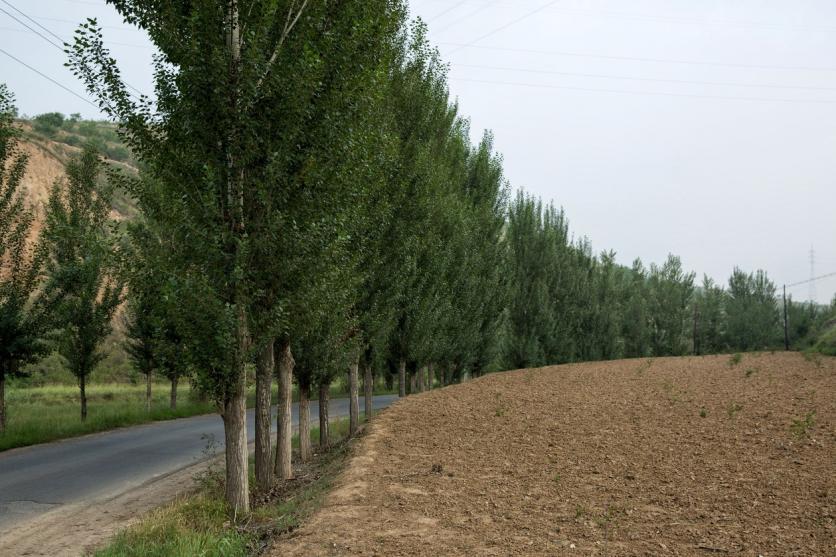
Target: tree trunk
(148, 378)
(173, 397)
(235, 436)
(81, 386)
(2, 400)
(284, 422)
(402, 378)
(413, 381)
(304, 422)
(323, 415)
(368, 391)
(430, 377)
(354, 397)
(265, 366)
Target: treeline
(312, 206)
(567, 304)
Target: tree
(81, 265)
(635, 324)
(670, 290)
(710, 300)
(231, 83)
(140, 336)
(21, 261)
(752, 311)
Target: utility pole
(786, 322)
(696, 329)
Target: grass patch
(42, 414)
(735, 359)
(51, 412)
(801, 428)
(199, 524)
(733, 409)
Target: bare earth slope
(597, 459)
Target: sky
(704, 129)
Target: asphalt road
(36, 479)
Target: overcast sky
(702, 128)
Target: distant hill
(52, 139)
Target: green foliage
(735, 359)
(82, 268)
(801, 427)
(21, 260)
(752, 311)
(49, 123)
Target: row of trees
(312, 205)
(566, 304)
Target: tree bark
(354, 397)
(413, 380)
(265, 365)
(173, 397)
(304, 422)
(284, 422)
(368, 391)
(148, 378)
(235, 436)
(81, 386)
(323, 415)
(430, 377)
(2, 400)
(402, 378)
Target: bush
(48, 123)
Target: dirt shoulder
(688, 456)
(72, 530)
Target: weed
(499, 412)
(644, 366)
(580, 511)
(556, 478)
(813, 358)
(750, 371)
(703, 413)
(733, 409)
(801, 428)
(735, 359)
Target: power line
(507, 25)
(814, 279)
(468, 16)
(657, 93)
(38, 33)
(447, 11)
(61, 48)
(637, 58)
(64, 87)
(684, 81)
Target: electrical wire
(507, 25)
(683, 81)
(637, 58)
(656, 93)
(62, 86)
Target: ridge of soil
(671, 456)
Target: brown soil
(688, 456)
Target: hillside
(51, 142)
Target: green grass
(42, 414)
(199, 525)
(52, 412)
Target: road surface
(38, 479)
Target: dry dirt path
(687, 456)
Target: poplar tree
(21, 261)
(231, 82)
(82, 265)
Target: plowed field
(672, 456)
